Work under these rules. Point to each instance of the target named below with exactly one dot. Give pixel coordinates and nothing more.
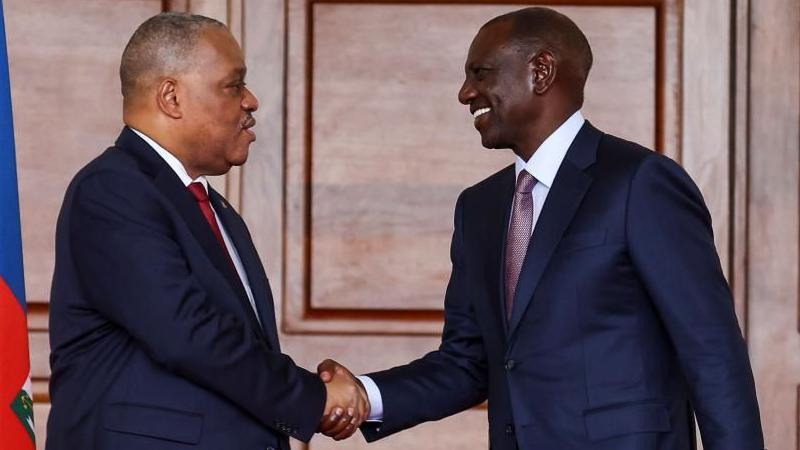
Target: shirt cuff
(374, 397)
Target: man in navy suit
(586, 300)
(162, 323)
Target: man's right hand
(347, 405)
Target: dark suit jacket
(154, 342)
(622, 326)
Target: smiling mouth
(480, 112)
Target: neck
(169, 141)
(541, 130)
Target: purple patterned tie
(519, 235)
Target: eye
(480, 72)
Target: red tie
(199, 191)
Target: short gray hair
(162, 44)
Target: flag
(16, 404)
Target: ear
(167, 98)
(543, 71)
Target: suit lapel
(496, 213)
(259, 285)
(565, 196)
(170, 185)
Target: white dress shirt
(543, 165)
(179, 170)
(546, 160)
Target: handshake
(347, 405)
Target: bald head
(535, 29)
(161, 46)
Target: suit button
(510, 364)
(509, 429)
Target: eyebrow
(239, 72)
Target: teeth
(481, 111)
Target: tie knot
(198, 191)
(525, 182)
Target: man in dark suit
(588, 303)
(162, 323)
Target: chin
(491, 143)
(218, 171)
(239, 157)
(238, 161)
(492, 140)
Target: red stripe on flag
(14, 369)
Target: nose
(467, 93)
(249, 101)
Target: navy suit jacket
(623, 325)
(154, 342)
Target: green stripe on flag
(23, 408)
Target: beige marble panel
(707, 148)
(391, 147)
(40, 412)
(39, 345)
(774, 216)
(737, 219)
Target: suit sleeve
(448, 380)
(672, 247)
(136, 275)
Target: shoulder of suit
(622, 153)
(497, 180)
(613, 146)
(112, 158)
(111, 164)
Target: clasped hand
(347, 405)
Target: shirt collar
(172, 162)
(546, 160)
